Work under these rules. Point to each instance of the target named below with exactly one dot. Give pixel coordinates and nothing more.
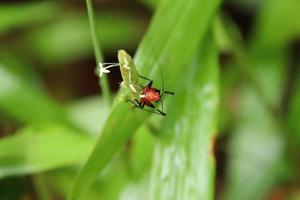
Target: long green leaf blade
(184, 164)
(175, 41)
(38, 148)
(19, 97)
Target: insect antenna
(163, 91)
(161, 77)
(163, 87)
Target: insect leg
(161, 112)
(150, 82)
(168, 92)
(135, 103)
(149, 85)
(158, 111)
(151, 111)
(143, 77)
(164, 92)
(141, 104)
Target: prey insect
(140, 96)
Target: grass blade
(19, 97)
(103, 81)
(38, 148)
(173, 51)
(184, 164)
(294, 113)
(43, 42)
(259, 163)
(14, 16)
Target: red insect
(149, 97)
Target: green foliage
(231, 130)
(261, 118)
(19, 97)
(71, 34)
(188, 157)
(21, 15)
(39, 148)
(119, 127)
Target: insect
(149, 96)
(140, 96)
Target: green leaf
(107, 185)
(175, 32)
(256, 151)
(26, 102)
(117, 175)
(150, 3)
(294, 113)
(20, 15)
(184, 164)
(88, 114)
(25, 151)
(72, 35)
(274, 28)
(38, 148)
(257, 145)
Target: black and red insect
(149, 96)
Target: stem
(103, 82)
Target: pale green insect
(128, 71)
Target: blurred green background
(232, 130)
